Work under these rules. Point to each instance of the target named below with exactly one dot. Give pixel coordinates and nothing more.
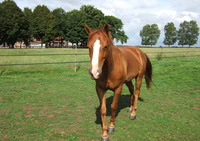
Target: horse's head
(99, 43)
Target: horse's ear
(106, 28)
(88, 29)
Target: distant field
(58, 104)
(30, 56)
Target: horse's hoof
(111, 129)
(133, 117)
(129, 110)
(105, 138)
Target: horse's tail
(148, 73)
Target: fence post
(75, 65)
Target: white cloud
(185, 5)
(120, 4)
(166, 13)
(187, 16)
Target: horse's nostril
(99, 71)
(90, 72)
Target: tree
(150, 34)
(91, 16)
(43, 24)
(116, 28)
(96, 19)
(76, 32)
(60, 28)
(182, 33)
(155, 34)
(188, 33)
(11, 22)
(1, 24)
(170, 34)
(144, 33)
(28, 29)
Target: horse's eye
(105, 47)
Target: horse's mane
(110, 38)
(102, 31)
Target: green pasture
(53, 103)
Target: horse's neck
(110, 64)
(113, 55)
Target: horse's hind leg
(136, 94)
(130, 86)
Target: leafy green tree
(1, 24)
(188, 33)
(150, 34)
(60, 28)
(182, 33)
(170, 34)
(76, 32)
(28, 29)
(154, 34)
(116, 28)
(11, 22)
(91, 16)
(43, 24)
(194, 30)
(144, 33)
(95, 18)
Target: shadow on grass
(124, 102)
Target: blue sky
(133, 13)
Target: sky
(134, 13)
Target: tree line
(186, 35)
(45, 25)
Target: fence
(77, 63)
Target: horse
(111, 67)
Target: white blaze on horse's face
(95, 59)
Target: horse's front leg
(114, 107)
(102, 99)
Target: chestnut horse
(111, 67)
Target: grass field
(59, 104)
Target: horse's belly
(131, 74)
(132, 69)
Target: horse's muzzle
(94, 75)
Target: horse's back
(135, 61)
(136, 52)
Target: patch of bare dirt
(5, 137)
(51, 116)
(2, 99)
(22, 137)
(196, 108)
